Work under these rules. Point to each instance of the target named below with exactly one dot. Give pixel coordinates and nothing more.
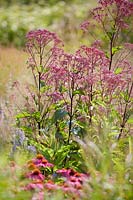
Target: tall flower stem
(90, 111)
(124, 118)
(39, 87)
(70, 119)
(71, 110)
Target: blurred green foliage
(63, 17)
(27, 2)
(109, 164)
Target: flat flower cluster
(42, 177)
(122, 9)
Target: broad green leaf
(36, 115)
(23, 115)
(116, 49)
(130, 121)
(58, 135)
(80, 92)
(26, 129)
(61, 154)
(118, 70)
(59, 114)
(113, 134)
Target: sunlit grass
(12, 67)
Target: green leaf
(110, 33)
(26, 129)
(113, 134)
(62, 89)
(58, 135)
(118, 70)
(61, 154)
(44, 88)
(130, 121)
(116, 49)
(98, 102)
(79, 91)
(36, 115)
(23, 115)
(59, 114)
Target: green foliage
(82, 125)
(59, 115)
(16, 19)
(27, 2)
(108, 162)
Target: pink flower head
(121, 23)
(106, 3)
(56, 96)
(94, 57)
(65, 69)
(74, 182)
(84, 26)
(40, 161)
(63, 172)
(50, 185)
(57, 52)
(34, 185)
(38, 196)
(58, 72)
(66, 172)
(122, 8)
(35, 175)
(98, 13)
(129, 46)
(31, 63)
(96, 44)
(125, 8)
(69, 188)
(41, 38)
(44, 163)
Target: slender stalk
(71, 90)
(39, 100)
(91, 94)
(70, 119)
(111, 50)
(90, 112)
(124, 120)
(71, 95)
(39, 88)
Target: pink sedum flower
(41, 37)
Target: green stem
(70, 119)
(39, 89)
(124, 120)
